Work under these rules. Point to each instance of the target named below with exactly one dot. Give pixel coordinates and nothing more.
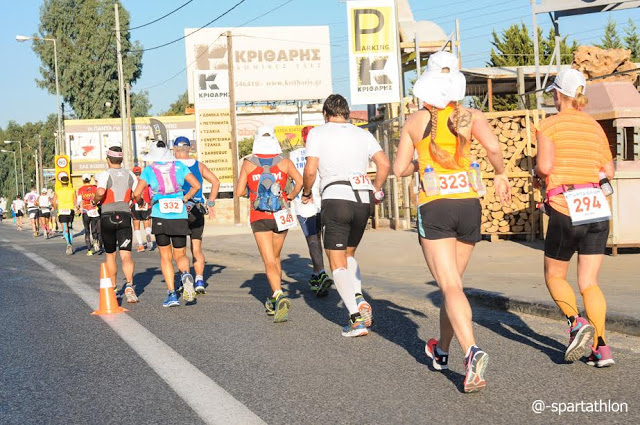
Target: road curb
(615, 322)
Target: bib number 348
(285, 220)
(587, 206)
(171, 206)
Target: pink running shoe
(580, 337)
(601, 357)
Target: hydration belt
(356, 193)
(565, 188)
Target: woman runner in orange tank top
(449, 221)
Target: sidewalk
(503, 275)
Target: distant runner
(31, 199)
(90, 214)
(64, 201)
(3, 208)
(45, 206)
(17, 206)
(141, 214)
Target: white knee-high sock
(148, 230)
(344, 283)
(138, 236)
(354, 269)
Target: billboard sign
(579, 7)
(270, 63)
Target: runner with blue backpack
(169, 222)
(263, 176)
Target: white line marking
(210, 401)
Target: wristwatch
(305, 195)
(211, 203)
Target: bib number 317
(587, 206)
(171, 206)
(285, 220)
(360, 182)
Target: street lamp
(7, 142)
(22, 38)
(15, 167)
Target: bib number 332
(285, 220)
(587, 206)
(171, 205)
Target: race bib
(285, 220)
(360, 181)
(451, 184)
(144, 207)
(32, 215)
(93, 213)
(45, 209)
(587, 206)
(171, 205)
(64, 211)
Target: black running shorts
(450, 218)
(46, 214)
(116, 231)
(33, 213)
(67, 218)
(140, 215)
(564, 239)
(196, 223)
(343, 223)
(265, 225)
(172, 232)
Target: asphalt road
(61, 365)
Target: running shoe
(580, 336)
(601, 357)
(151, 246)
(199, 286)
(117, 291)
(325, 284)
(270, 306)
(314, 282)
(365, 310)
(476, 365)
(356, 327)
(36, 234)
(89, 253)
(282, 307)
(69, 250)
(141, 248)
(96, 247)
(188, 293)
(172, 300)
(130, 293)
(440, 361)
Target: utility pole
(536, 53)
(41, 171)
(35, 157)
(123, 107)
(132, 149)
(232, 116)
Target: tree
(632, 41)
(178, 107)
(140, 104)
(610, 39)
(87, 66)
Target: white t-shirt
(3, 204)
(44, 202)
(342, 149)
(18, 205)
(31, 199)
(310, 209)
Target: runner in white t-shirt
(340, 153)
(31, 199)
(44, 203)
(309, 219)
(17, 206)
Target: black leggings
(91, 229)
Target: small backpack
(269, 193)
(167, 180)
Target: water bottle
(430, 181)
(605, 185)
(475, 178)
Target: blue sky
(23, 101)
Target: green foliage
(632, 41)
(178, 107)
(28, 135)
(140, 104)
(87, 66)
(244, 147)
(610, 39)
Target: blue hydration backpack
(269, 193)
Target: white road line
(210, 401)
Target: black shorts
(450, 218)
(343, 223)
(116, 231)
(172, 232)
(310, 225)
(45, 214)
(140, 215)
(265, 225)
(564, 239)
(19, 214)
(33, 213)
(196, 222)
(66, 218)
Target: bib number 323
(285, 220)
(587, 206)
(171, 206)
(454, 183)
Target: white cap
(568, 81)
(437, 88)
(158, 154)
(265, 142)
(44, 190)
(86, 177)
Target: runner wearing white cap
(44, 204)
(449, 212)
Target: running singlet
(253, 180)
(45, 203)
(149, 175)
(581, 149)
(31, 199)
(66, 201)
(87, 194)
(450, 179)
(117, 183)
(194, 167)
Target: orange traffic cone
(108, 300)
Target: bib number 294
(587, 206)
(285, 220)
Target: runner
(44, 203)
(17, 207)
(572, 151)
(340, 153)
(113, 193)
(449, 210)
(31, 199)
(309, 219)
(142, 214)
(169, 219)
(264, 176)
(3, 208)
(90, 214)
(64, 201)
(196, 206)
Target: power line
(160, 18)
(193, 32)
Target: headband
(114, 154)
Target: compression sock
(315, 251)
(138, 236)
(354, 269)
(596, 308)
(148, 231)
(344, 283)
(562, 294)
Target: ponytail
(581, 100)
(438, 154)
